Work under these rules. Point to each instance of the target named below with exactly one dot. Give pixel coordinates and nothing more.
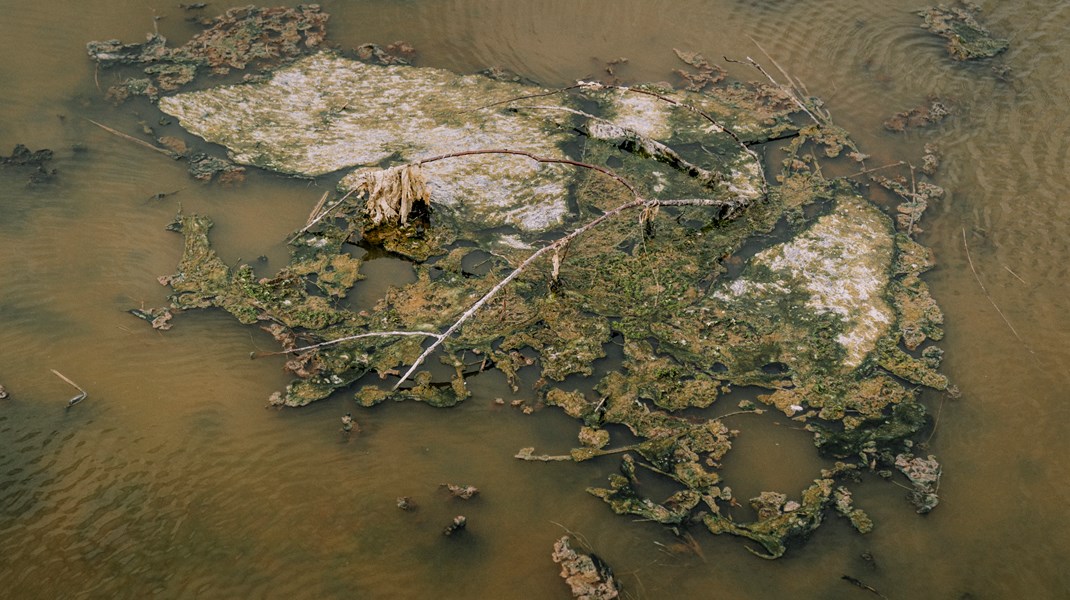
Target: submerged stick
(594, 85)
(881, 168)
(131, 138)
(76, 399)
(346, 339)
(719, 126)
(987, 295)
(861, 584)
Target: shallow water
(171, 478)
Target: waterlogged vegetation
(700, 229)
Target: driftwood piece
(76, 399)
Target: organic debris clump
(264, 36)
(586, 575)
(23, 158)
(966, 38)
(672, 240)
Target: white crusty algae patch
(842, 262)
(325, 113)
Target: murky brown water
(172, 479)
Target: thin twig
(1013, 273)
(323, 214)
(536, 158)
(528, 97)
(76, 399)
(64, 378)
(888, 166)
(130, 138)
(789, 91)
(914, 199)
(985, 291)
(346, 339)
(756, 411)
(648, 145)
(798, 87)
(319, 206)
(513, 275)
(717, 125)
(936, 421)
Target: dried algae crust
(841, 262)
(829, 316)
(325, 113)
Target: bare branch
(76, 399)
(536, 158)
(347, 339)
(322, 215)
(790, 91)
(604, 129)
(560, 242)
(988, 296)
(718, 126)
(594, 85)
(131, 138)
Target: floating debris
(82, 394)
(406, 503)
(966, 38)
(860, 584)
(397, 53)
(263, 36)
(35, 161)
(829, 316)
(464, 492)
(930, 113)
(925, 475)
(349, 425)
(930, 161)
(459, 523)
(705, 74)
(159, 318)
(587, 576)
(3, 393)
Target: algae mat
(696, 229)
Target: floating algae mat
(643, 216)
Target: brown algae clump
(966, 38)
